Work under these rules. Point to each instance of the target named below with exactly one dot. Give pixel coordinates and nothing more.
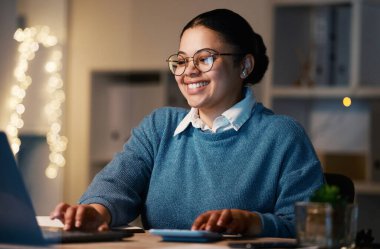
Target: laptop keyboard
(58, 235)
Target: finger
(103, 227)
(212, 220)
(199, 221)
(87, 218)
(59, 211)
(202, 227)
(225, 218)
(69, 218)
(80, 215)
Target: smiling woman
(222, 83)
(179, 168)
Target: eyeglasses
(203, 60)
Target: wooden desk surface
(147, 241)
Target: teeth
(196, 85)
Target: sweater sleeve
(299, 176)
(122, 185)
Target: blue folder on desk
(18, 222)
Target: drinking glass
(325, 226)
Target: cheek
(221, 77)
(227, 71)
(232, 74)
(178, 79)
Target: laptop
(18, 223)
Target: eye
(206, 59)
(181, 62)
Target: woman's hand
(84, 217)
(230, 221)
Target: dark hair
(236, 31)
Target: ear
(247, 65)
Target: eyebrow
(183, 53)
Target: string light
(30, 40)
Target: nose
(191, 69)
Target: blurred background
(89, 70)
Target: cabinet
(324, 51)
(119, 101)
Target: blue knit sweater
(265, 167)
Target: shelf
(300, 92)
(33, 131)
(326, 92)
(368, 92)
(309, 2)
(323, 51)
(367, 188)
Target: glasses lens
(204, 60)
(177, 64)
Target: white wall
(35, 12)
(125, 35)
(52, 13)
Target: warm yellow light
(51, 67)
(51, 172)
(20, 109)
(30, 40)
(347, 101)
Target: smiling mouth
(197, 85)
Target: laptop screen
(17, 217)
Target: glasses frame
(215, 54)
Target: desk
(147, 241)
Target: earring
(243, 75)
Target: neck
(208, 116)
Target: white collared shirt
(233, 118)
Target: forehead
(199, 37)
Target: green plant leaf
(328, 194)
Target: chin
(196, 101)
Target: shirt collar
(237, 115)
(192, 115)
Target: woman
(227, 165)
